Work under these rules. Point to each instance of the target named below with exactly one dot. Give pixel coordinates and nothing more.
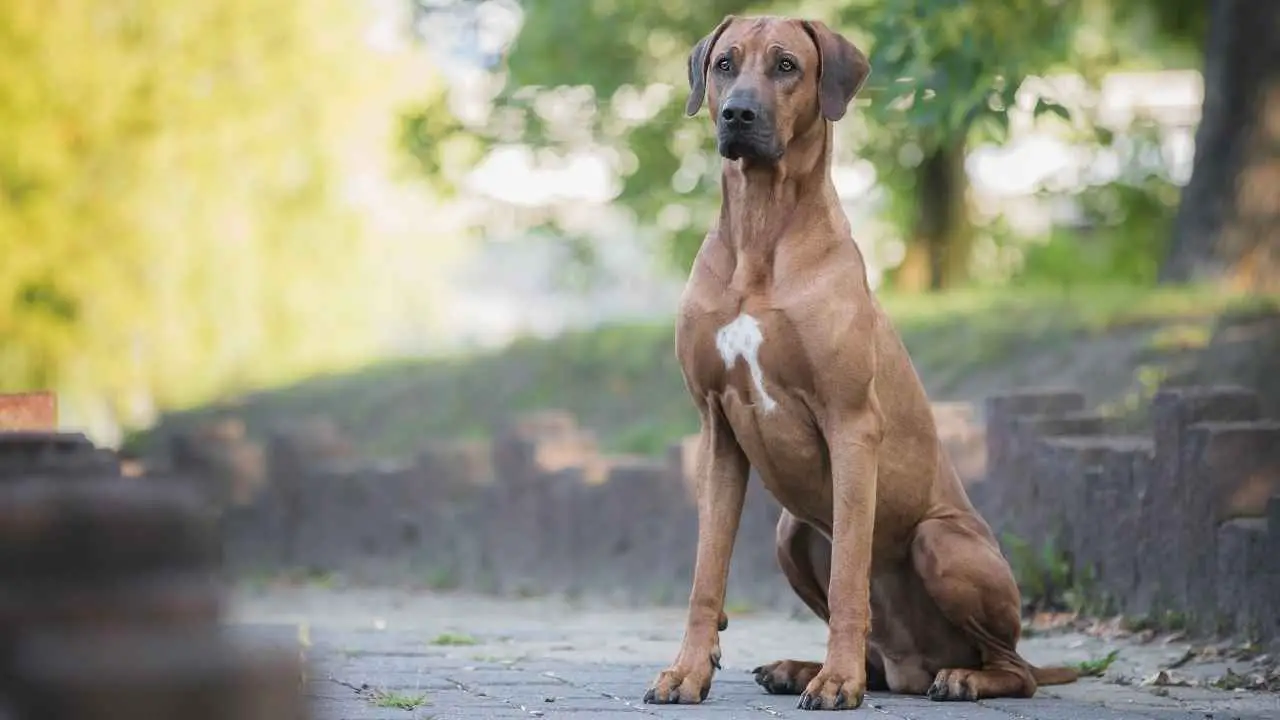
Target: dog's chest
(757, 358)
(741, 341)
(755, 364)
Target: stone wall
(1173, 523)
(1185, 522)
(539, 509)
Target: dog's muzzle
(745, 131)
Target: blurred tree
(949, 70)
(630, 58)
(962, 60)
(180, 193)
(1228, 223)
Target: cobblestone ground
(400, 655)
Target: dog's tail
(1060, 675)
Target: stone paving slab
(370, 651)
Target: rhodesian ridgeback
(797, 372)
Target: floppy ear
(842, 70)
(698, 63)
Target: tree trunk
(938, 256)
(915, 273)
(1228, 223)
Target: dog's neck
(762, 203)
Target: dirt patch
(1243, 350)
(1102, 366)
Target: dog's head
(767, 80)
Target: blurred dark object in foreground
(110, 595)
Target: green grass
(398, 701)
(1085, 307)
(454, 640)
(1098, 666)
(624, 383)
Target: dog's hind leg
(805, 557)
(968, 579)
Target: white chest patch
(742, 339)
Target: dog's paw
(786, 677)
(954, 685)
(684, 684)
(833, 689)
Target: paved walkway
(388, 655)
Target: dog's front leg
(721, 479)
(854, 443)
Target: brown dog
(796, 371)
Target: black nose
(738, 113)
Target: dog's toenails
(950, 690)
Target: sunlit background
(399, 208)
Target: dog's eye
(724, 64)
(786, 65)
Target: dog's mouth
(754, 147)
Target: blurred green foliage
(610, 74)
(176, 193)
(623, 53)
(1127, 237)
(1124, 227)
(949, 73)
(182, 186)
